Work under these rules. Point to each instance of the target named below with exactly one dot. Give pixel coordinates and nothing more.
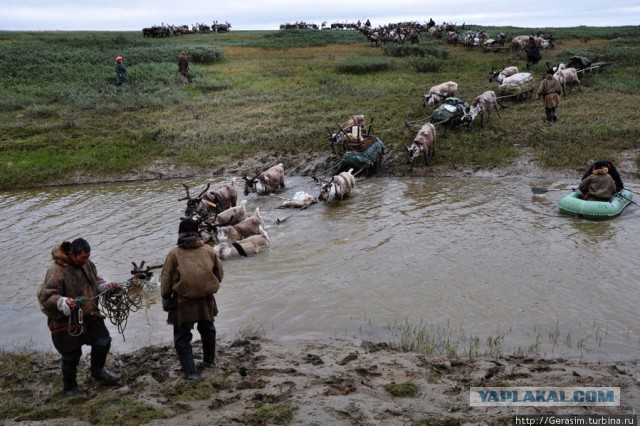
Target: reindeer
(211, 202)
(440, 92)
(249, 246)
(338, 188)
(481, 104)
(267, 182)
(246, 228)
(425, 142)
(301, 200)
(231, 216)
(220, 28)
(566, 77)
(500, 75)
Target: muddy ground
(331, 382)
(300, 165)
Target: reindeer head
(193, 203)
(493, 74)
(470, 114)
(326, 190)
(412, 152)
(249, 184)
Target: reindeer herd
(231, 231)
(166, 30)
(483, 104)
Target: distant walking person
(550, 90)
(183, 64)
(121, 72)
(191, 274)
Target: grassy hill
(257, 92)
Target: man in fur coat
(191, 274)
(550, 91)
(69, 299)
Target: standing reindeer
(425, 142)
(338, 188)
(481, 104)
(212, 202)
(267, 182)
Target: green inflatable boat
(573, 205)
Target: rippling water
(469, 257)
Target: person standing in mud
(121, 72)
(191, 275)
(549, 91)
(183, 64)
(69, 299)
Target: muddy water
(470, 260)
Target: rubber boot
(553, 115)
(207, 331)
(209, 352)
(69, 374)
(549, 112)
(188, 365)
(99, 354)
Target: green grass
(271, 414)
(252, 92)
(123, 411)
(402, 390)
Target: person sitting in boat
(612, 171)
(599, 185)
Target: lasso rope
(114, 305)
(117, 305)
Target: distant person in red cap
(121, 72)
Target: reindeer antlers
(141, 273)
(187, 189)
(188, 197)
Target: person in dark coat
(183, 64)
(191, 275)
(121, 72)
(533, 53)
(69, 299)
(613, 172)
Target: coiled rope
(115, 305)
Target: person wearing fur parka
(69, 298)
(191, 275)
(550, 91)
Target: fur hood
(58, 254)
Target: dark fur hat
(188, 225)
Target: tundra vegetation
(257, 92)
